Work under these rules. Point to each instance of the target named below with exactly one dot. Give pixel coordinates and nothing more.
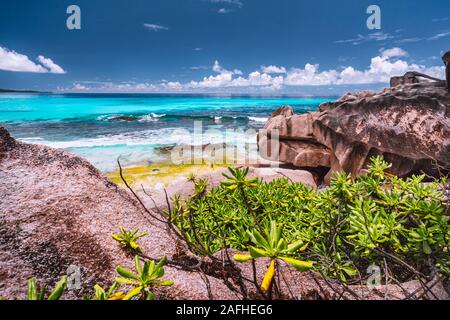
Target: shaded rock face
(6, 141)
(408, 124)
(446, 59)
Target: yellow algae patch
(160, 173)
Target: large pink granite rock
(408, 124)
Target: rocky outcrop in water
(409, 124)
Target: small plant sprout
(192, 177)
(127, 239)
(200, 187)
(36, 293)
(147, 278)
(238, 179)
(111, 294)
(273, 246)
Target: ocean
(134, 127)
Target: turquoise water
(94, 126)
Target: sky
(300, 47)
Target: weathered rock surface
(408, 124)
(56, 210)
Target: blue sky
(235, 46)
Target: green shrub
(347, 227)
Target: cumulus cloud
(389, 62)
(155, 27)
(17, 62)
(273, 69)
(50, 65)
(393, 52)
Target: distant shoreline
(24, 91)
(181, 94)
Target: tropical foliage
(143, 282)
(40, 293)
(345, 228)
(128, 239)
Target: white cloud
(273, 69)
(224, 11)
(79, 87)
(408, 40)
(375, 36)
(439, 19)
(238, 3)
(17, 62)
(393, 52)
(310, 75)
(198, 68)
(155, 27)
(50, 65)
(440, 35)
(389, 62)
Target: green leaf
(298, 264)
(162, 262)
(296, 246)
(258, 253)
(59, 289)
(137, 265)
(242, 257)
(126, 281)
(32, 289)
(426, 248)
(126, 273)
(165, 283)
(133, 293)
(259, 240)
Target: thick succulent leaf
(165, 283)
(59, 289)
(126, 273)
(137, 265)
(242, 257)
(133, 293)
(32, 293)
(258, 253)
(299, 264)
(268, 277)
(297, 246)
